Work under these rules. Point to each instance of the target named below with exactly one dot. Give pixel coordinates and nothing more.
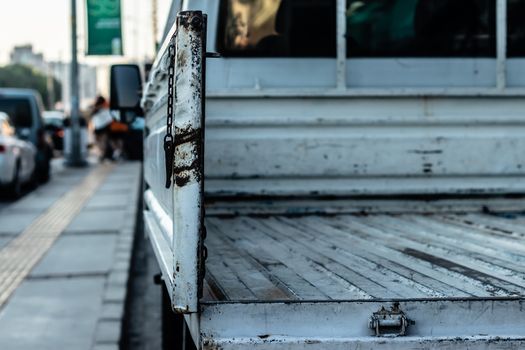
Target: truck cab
(348, 174)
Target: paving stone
(78, 254)
(54, 188)
(112, 311)
(34, 203)
(97, 221)
(111, 346)
(13, 223)
(115, 186)
(123, 255)
(105, 201)
(121, 266)
(52, 314)
(84, 273)
(123, 245)
(108, 331)
(122, 177)
(115, 293)
(118, 277)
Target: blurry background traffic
(39, 104)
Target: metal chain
(171, 78)
(169, 144)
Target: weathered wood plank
(262, 251)
(506, 279)
(346, 268)
(252, 276)
(475, 240)
(325, 282)
(490, 229)
(513, 225)
(462, 247)
(351, 257)
(225, 278)
(372, 239)
(257, 283)
(427, 280)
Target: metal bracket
(389, 323)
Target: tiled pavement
(74, 296)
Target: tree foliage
(22, 76)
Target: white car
(17, 158)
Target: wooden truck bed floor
(364, 257)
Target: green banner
(104, 27)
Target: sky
(46, 25)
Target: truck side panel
(359, 145)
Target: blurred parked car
(17, 158)
(54, 126)
(24, 107)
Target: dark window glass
(18, 109)
(421, 28)
(516, 28)
(277, 28)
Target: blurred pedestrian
(117, 132)
(101, 120)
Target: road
(69, 243)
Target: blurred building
(87, 81)
(61, 71)
(25, 55)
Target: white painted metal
(341, 44)
(421, 73)
(501, 43)
(515, 71)
(352, 146)
(161, 247)
(422, 92)
(260, 74)
(357, 205)
(439, 324)
(163, 221)
(174, 215)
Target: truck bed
(358, 257)
(316, 281)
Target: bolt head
(196, 22)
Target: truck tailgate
(319, 279)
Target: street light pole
(75, 156)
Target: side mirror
(126, 88)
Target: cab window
(515, 28)
(415, 28)
(18, 109)
(277, 28)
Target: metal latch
(389, 323)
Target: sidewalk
(65, 252)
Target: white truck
(328, 183)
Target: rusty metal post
(188, 168)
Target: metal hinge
(389, 323)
